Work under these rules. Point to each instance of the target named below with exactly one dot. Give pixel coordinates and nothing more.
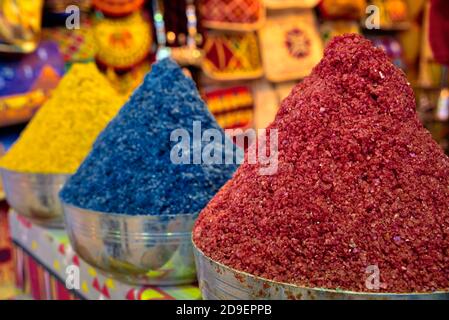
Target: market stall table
(43, 260)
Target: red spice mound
(360, 183)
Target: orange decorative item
(123, 43)
(396, 10)
(350, 9)
(118, 7)
(232, 14)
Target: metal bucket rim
(127, 216)
(324, 290)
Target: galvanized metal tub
(144, 250)
(219, 282)
(35, 196)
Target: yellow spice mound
(62, 132)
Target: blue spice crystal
(129, 169)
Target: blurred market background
(244, 55)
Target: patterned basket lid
(236, 15)
(123, 43)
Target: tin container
(35, 196)
(143, 250)
(218, 282)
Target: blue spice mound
(129, 170)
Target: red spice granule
(360, 183)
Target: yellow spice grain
(62, 132)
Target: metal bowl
(218, 282)
(35, 196)
(144, 250)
